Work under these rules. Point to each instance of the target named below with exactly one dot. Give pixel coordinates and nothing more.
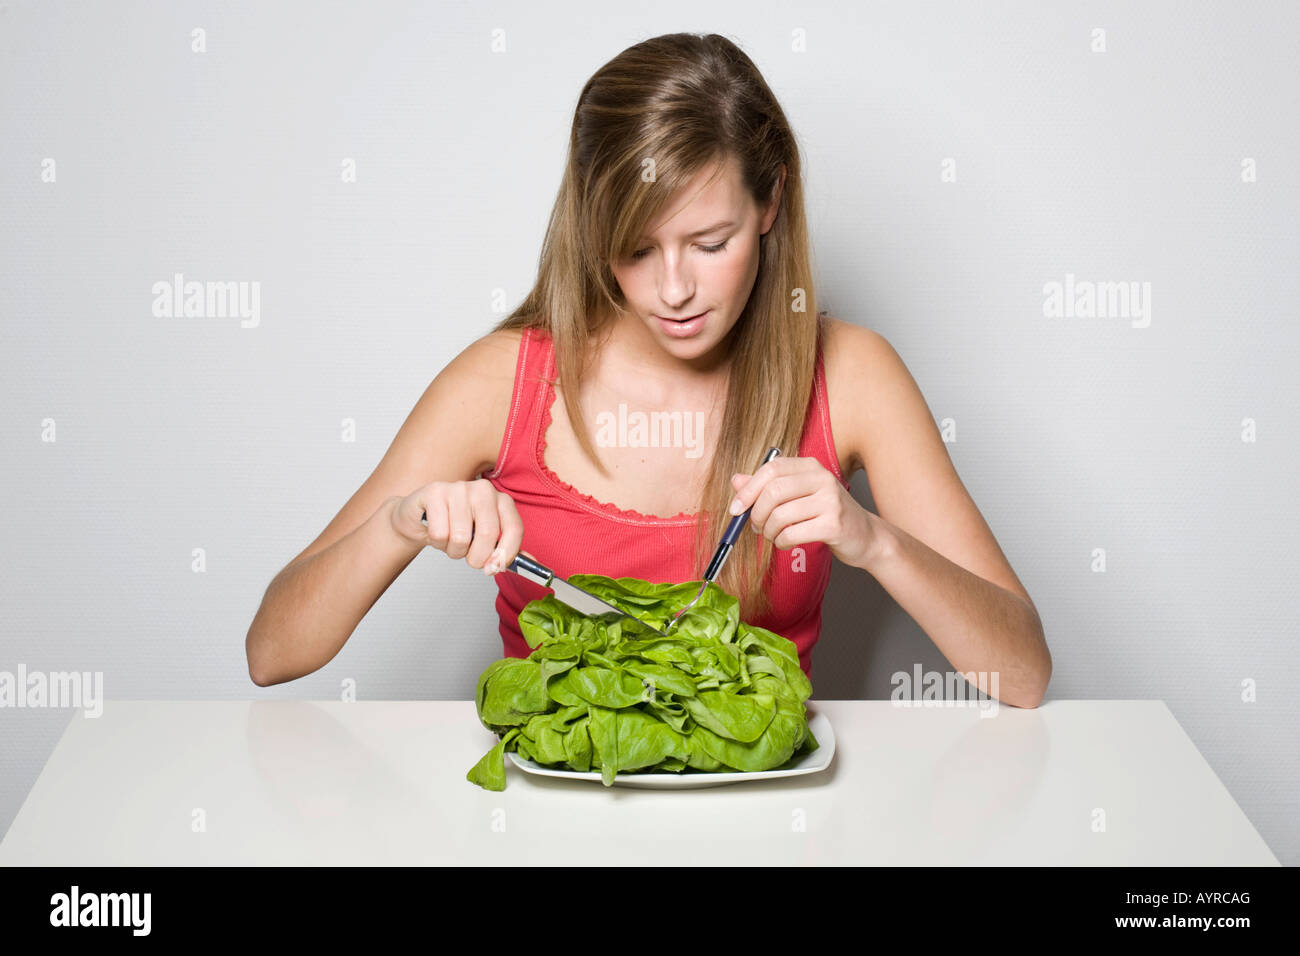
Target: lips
(684, 318)
(685, 328)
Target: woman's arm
(978, 625)
(931, 548)
(313, 605)
(311, 608)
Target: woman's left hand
(796, 501)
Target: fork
(723, 551)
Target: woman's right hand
(464, 519)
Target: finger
(801, 532)
(787, 514)
(512, 533)
(792, 482)
(461, 519)
(774, 492)
(750, 486)
(487, 526)
(780, 489)
(438, 524)
(754, 483)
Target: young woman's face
(698, 261)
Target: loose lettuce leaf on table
(603, 694)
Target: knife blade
(571, 595)
(575, 597)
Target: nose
(676, 283)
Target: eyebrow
(724, 224)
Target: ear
(774, 204)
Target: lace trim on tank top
(547, 397)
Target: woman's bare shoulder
(853, 357)
(483, 375)
(453, 433)
(492, 355)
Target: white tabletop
(383, 782)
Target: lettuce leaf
(599, 694)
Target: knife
(570, 594)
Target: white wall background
(1073, 434)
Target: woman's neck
(628, 352)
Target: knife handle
(526, 567)
(733, 530)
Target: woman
(674, 288)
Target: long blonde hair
(690, 102)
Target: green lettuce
(606, 693)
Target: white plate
(819, 759)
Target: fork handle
(734, 528)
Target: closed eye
(711, 250)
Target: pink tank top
(573, 533)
